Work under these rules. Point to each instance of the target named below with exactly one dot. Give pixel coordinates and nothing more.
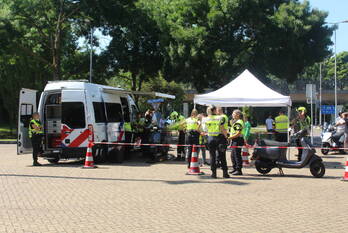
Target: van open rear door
(74, 129)
(27, 105)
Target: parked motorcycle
(268, 158)
(328, 143)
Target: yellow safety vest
(33, 131)
(225, 118)
(138, 125)
(179, 123)
(127, 127)
(236, 127)
(192, 124)
(281, 123)
(213, 125)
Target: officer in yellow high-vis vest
(36, 134)
(216, 130)
(281, 127)
(236, 135)
(179, 125)
(192, 133)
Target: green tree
(206, 42)
(342, 70)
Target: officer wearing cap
(36, 134)
(236, 135)
(301, 122)
(215, 131)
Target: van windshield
(73, 114)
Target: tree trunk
(56, 53)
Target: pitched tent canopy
(245, 90)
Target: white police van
(74, 113)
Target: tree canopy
(190, 43)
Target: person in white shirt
(270, 126)
(340, 128)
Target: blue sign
(153, 101)
(328, 109)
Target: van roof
(75, 84)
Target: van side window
(73, 114)
(126, 110)
(134, 113)
(114, 112)
(99, 112)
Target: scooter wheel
(262, 169)
(317, 169)
(325, 151)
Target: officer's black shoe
(213, 175)
(237, 173)
(36, 164)
(233, 171)
(226, 175)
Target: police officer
(36, 134)
(281, 127)
(192, 133)
(179, 124)
(301, 122)
(221, 113)
(215, 128)
(236, 136)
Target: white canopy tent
(245, 90)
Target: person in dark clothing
(236, 136)
(36, 134)
(215, 128)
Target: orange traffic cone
(89, 163)
(345, 176)
(194, 166)
(245, 155)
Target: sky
(338, 11)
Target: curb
(8, 142)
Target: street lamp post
(91, 56)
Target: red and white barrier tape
(229, 147)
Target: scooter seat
(267, 142)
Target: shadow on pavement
(297, 176)
(245, 177)
(333, 165)
(173, 182)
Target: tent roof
(245, 90)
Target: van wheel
(116, 154)
(99, 153)
(53, 160)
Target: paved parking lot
(138, 197)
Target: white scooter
(328, 144)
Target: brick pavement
(138, 197)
